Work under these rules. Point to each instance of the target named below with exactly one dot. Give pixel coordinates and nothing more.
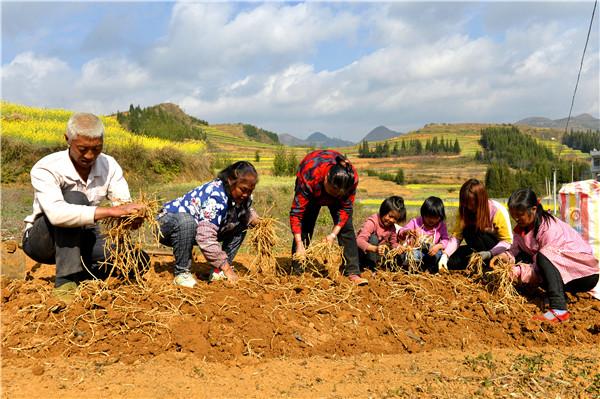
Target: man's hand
(127, 209)
(118, 211)
(434, 249)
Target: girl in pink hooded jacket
(432, 222)
(549, 253)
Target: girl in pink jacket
(549, 253)
(378, 233)
(432, 223)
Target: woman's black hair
(393, 203)
(234, 172)
(341, 175)
(434, 207)
(523, 200)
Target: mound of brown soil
(271, 317)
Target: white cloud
(204, 39)
(112, 74)
(226, 64)
(29, 78)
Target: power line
(581, 65)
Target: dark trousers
(556, 288)
(369, 260)
(476, 241)
(346, 237)
(428, 262)
(179, 232)
(66, 247)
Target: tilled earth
(448, 326)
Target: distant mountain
(579, 122)
(317, 139)
(381, 133)
(320, 140)
(288, 139)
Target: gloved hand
(485, 255)
(443, 263)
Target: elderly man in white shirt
(69, 186)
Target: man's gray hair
(84, 124)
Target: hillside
(579, 122)
(248, 132)
(440, 174)
(381, 133)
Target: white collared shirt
(55, 174)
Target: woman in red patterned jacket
(326, 178)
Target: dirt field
(400, 336)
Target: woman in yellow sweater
(482, 223)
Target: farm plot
(403, 335)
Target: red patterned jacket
(310, 187)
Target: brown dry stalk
(102, 310)
(475, 265)
(501, 281)
(123, 247)
(323, 258)
(413, 239)
(263, 236)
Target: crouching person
(68, 188)
(215, 216)
(549, 253)
(378, 233)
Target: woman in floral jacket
(215, 216)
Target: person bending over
(326, 178)
(214, 215)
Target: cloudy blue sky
(341, 68)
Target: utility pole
(554, 189)
(572, 172)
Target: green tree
(399, 177)
(280, 162)
(291, 163)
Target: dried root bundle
(413, 240)
(125, 238)
(322, 258)
(263, 237)
(475, 265)
(416, 239)
(500, 281)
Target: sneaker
(66, 292)
(357, 280)
(217, 275)
(185, 280)
(552, 317)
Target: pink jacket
(439, 232)
(373, 226)
(561, 244)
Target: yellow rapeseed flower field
(47, 127)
